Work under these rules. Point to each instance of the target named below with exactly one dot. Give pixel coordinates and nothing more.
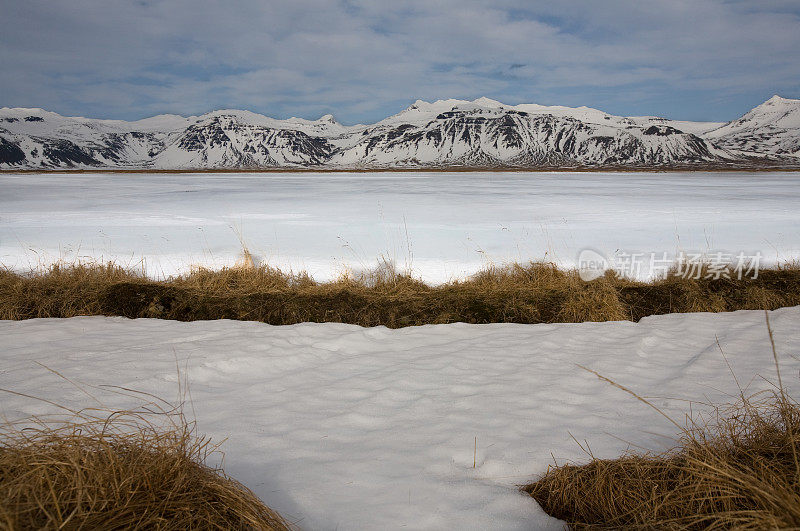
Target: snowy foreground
(438, 225)
(342, 427)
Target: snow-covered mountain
(770, 130)
(487, 133)
(482, 133)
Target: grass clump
(741, 474)
(518, 293)
(739, 470)
(119, 470)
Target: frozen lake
(438, 225)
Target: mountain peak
(487, 102)
(777, 107)
(327, 118)
(778, 100)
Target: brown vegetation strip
(535, 293)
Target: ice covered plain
(439, 226)
(342, 427)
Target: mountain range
(445, 133)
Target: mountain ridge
(478, 133)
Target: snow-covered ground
(440, 225)
(342, 427)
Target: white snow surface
(438, 226)
(342, 427)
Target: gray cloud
(701, 59)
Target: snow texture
(342, 427)
(440, 226)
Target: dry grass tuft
(739, 470)
(739, 474)
(591, 301)
(517, 293)
(119, 470)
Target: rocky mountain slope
(770, 130)
(482, 133)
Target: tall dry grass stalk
(517, 293)
(738, 469)
(103, 469)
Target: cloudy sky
(365, 59)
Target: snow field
(342, 427)
(440, 226)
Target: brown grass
(738, 470)
(740, 473)
(532, 293)
(119, 470)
